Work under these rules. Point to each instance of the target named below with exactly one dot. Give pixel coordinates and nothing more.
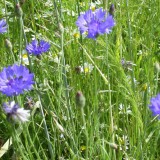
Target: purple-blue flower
(3, 26)
(14, 80)
(37, 48)
(155, 105)
(95, 23)
(16, 113)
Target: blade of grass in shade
(9, 142)
(63, 75)
(110, 103)
(41, 108)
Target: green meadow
(91, 98)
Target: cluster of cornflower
(95, 23)
(15, 79)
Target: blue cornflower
(37, 48)
(95, 23)
(3, 26)
(16, 113)
(155, 106)
(14, 80)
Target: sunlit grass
(115, 122)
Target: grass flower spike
(14, 112)
(37, 48)
(3, 26)
(95, 23)
(14, 80)
(155, 106)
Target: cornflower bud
(80, 99)
(8, 45)
(113, 145)
(111, 10)
(61, 27)
(18, 10)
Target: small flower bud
(61, 27)
(157, 65)
(113, 145)
(80, 99)
(112, 9)
(144, 87)
(18, 10)
(8, 44)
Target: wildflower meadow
(79, 80)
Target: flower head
(85, 68)
(16, 113)
(123, 142)
(155, 106)
(94, 4)
(3, 26)
(24, 58)
(14, 80)
(37, 48)
(95, 23)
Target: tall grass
(115, 122)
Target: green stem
(130, 42)
(20, 39)
(31, 142)
(20, 147)
(86, 131)
(110, 103)
(45, 128)
(89, 57)
(41, 108)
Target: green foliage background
(116, 122)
